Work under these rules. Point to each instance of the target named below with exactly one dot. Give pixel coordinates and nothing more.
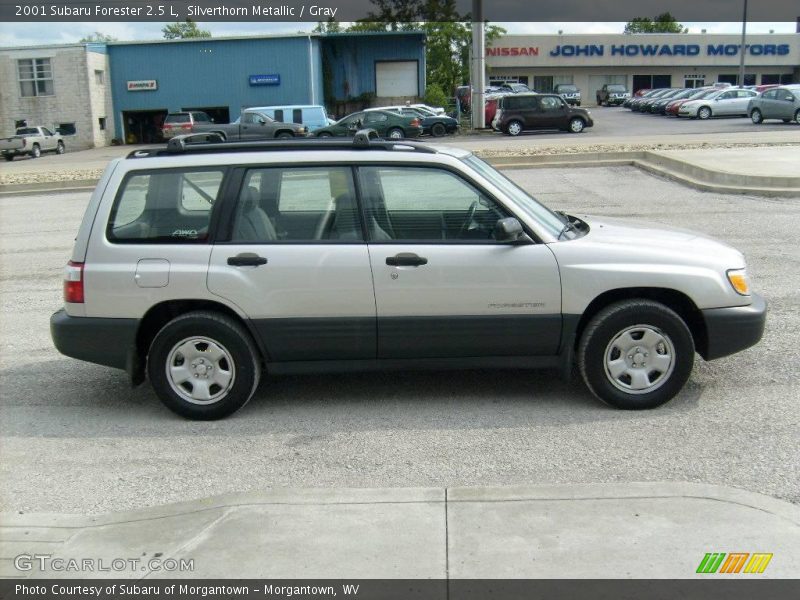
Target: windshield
(543, 215)
(567, 88)
(616, 88)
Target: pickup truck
(253, 125)
(31, 141)
(612, 93)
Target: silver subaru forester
(202, 266)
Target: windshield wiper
(568, 224)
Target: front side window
(297, 204)
(167, 207)
(548, 103)
(35, 77)
(418, 204)
(770, 94)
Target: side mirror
(508, 230)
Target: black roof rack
(364, 139)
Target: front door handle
(406, 259)
(246, 260)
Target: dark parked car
(569, 92)
(612, 94)
(387, 123)
(183, 122)
(659, 106)
(524, 112)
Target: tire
(284, 135)
(642, 329)
(797, 116)
(786, 120)
(438, 130)
(514, 128)
(703, 113)
(324, 134)
(395, 133)
(36, 151)
(576, 125)
(60, 148)
(194, 337)
(8, 157)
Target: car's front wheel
(756, 116)
(576, 125)
(636, 354)
(203, 365)
(704, 113)
(60, 148)
(514, 128)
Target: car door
(444, 288)
(770, 108)
(48, 139)
(724, 104)
(376, 120)
(743, 97)
(784, 104)
(292, 256)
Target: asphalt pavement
(76, 439)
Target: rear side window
(169, 207)
(279, 115)
(297, 115)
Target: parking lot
(77, 438)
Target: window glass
(177, 118)
(550, 103)
(279, 115)
(297, 115)
(376, 117)
(297, 204)
(771, 94)
(167, 207)
(785, 95)
(200, 117)
(46, 131)
(35, 77)
(426, 204)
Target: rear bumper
(731, 330)
(109, 342)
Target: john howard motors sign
(669, 49)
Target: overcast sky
(27, 34)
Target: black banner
(391, 10)
(733, 588)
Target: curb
(666, 166)
(653, 162)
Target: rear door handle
(406, 259)
(246, 260)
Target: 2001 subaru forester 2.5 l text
(205, 266)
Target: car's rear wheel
(203, 365)
(797, 116)
(395, 133)
(636, 354)
(60, 148)
(576, 125)
(438, 130)
(36, 151)
(514, 128)
(704, 113)
(284, 135)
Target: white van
(314, 117)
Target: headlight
(739, 281)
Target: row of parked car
(281, 122)
(757, 102)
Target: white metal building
(66, 88)
(641, 60)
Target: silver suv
(206, 265)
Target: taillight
(73, 283)
(415, 122)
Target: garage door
(598, 81)
(394, 79)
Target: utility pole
(478, 66)
(742, 49)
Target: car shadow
(67, 398)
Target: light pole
(478, 70)
(742, 49)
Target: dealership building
(123, 90)
(641, 61)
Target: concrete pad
(778, 161)
(614, 531)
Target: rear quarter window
(166, 206)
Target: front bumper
(103, 341)
(731, 330)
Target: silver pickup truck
(253, 125)
(31, 141)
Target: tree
(187, 29)
(329, 26)
(98, 36)
(663, 23)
